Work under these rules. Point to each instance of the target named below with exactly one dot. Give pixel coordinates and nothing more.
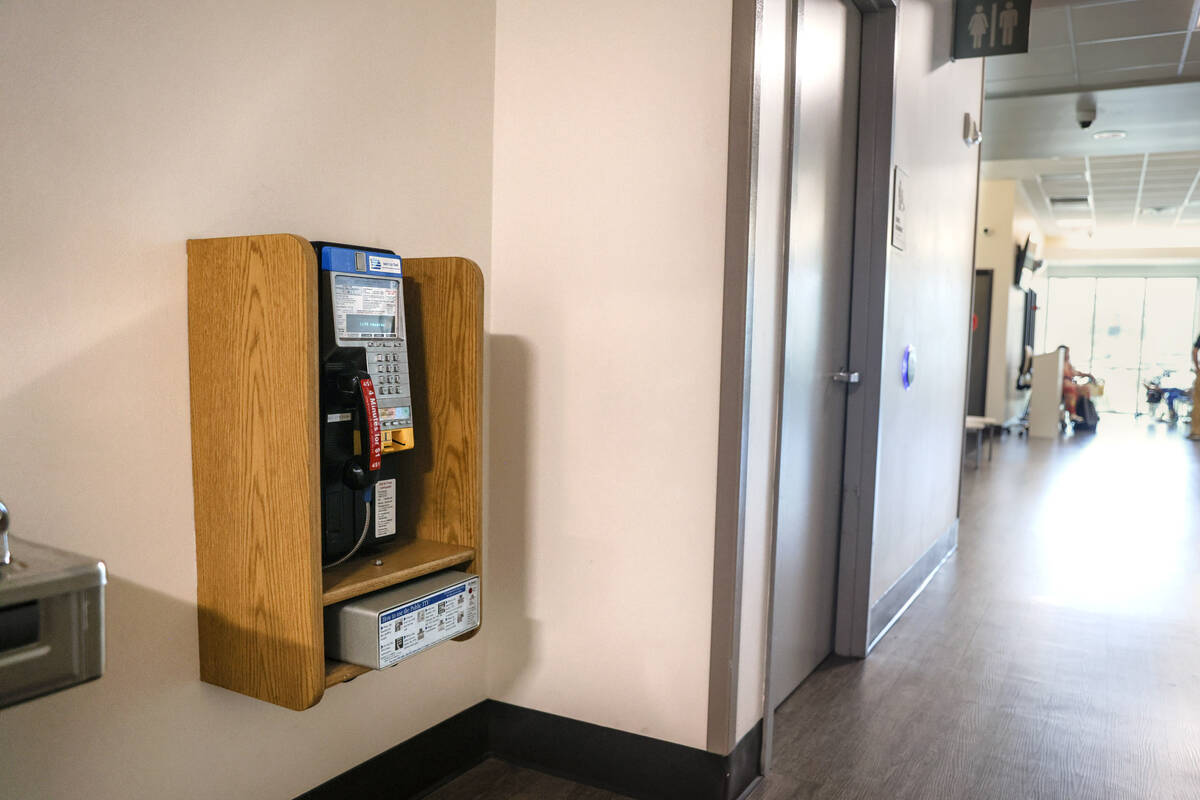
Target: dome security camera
(1085, 111)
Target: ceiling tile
(1134, 18)
(1151, 51)
(1048, 28)
(1125, 77)
(1001, 88)
(1036, 63)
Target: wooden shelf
(339, 672)
(253, 358)
(402, 561)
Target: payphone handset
(366, 395)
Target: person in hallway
(1194, 435)
(1072, 391)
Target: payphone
(366, 396)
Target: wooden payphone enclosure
(253, 353)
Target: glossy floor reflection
(1056, 654)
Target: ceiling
(1148, 196)
(1137, 63)
(1154, 119)
(1089, 44)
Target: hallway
(1056, 654)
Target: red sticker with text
(375, 446)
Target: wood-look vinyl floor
(496, 780)
(1055, 655)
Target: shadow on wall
(508, 476)
(96, 454)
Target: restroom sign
(991, 27)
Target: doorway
(981, 325)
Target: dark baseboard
(416, 766)
(896, 599)
(621, 762)
(627, 763)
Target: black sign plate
(991, 27)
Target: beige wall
(928, 295)
(1059, 252)
(1005, 214)
(129, 127)
(994, 233)
(604, 344)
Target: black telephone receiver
(366, 397)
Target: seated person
(1072, 391)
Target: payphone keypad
(387, 364)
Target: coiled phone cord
(362, 537)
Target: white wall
(129, 127)
(604, 345)
(928, 295)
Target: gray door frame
(733, 403)
(876, 95)
(876, 119)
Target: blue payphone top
(359, 261)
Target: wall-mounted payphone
(366, 396)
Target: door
(816, 341)
(981, 327)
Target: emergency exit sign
(991, 27)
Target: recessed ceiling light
(1102, 135)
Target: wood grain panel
(339, 672)
(444, 303)
(252, 339)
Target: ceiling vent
(1061, 204)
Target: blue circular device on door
(908, 367)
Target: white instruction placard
(385, 508)
(416, 626)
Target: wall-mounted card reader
(51, 621)
(384, 628)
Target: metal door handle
(846, 377)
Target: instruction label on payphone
(365, 308)
(418, 625)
